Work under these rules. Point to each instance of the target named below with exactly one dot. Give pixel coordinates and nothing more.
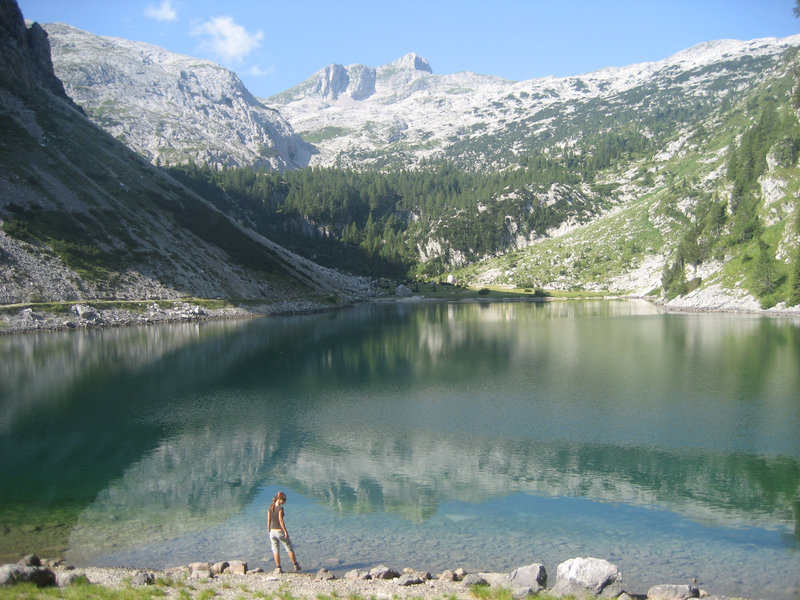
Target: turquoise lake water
(434, 435)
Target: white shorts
(275, 536)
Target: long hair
(278, 496)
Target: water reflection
(160, 433)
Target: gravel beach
(265, 584)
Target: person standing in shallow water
(276, 526)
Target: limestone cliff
(172, 108)
(84, 217)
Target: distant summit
(356, 82)
(413, 61)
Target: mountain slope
(82, 216)
(487, 123)
(711, 221)
(675, 178)
(171, 108)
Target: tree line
(384, 223)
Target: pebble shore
(232, 580)
(298, 585)
(198, 579)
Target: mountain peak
(414, 62)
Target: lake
(430, 435)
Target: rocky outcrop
(356, 81)
(172, 108)
(25, 60)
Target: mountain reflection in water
(388, 412)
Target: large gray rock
(403, 291)
(30, 560)
(237, 567)
(218, 568)
(144, 578)
(39, 576)
(672, 592)
(68, 578)
(324, 574)
(474, 579)
(531, 577)
(383, 572)
(582, 576)
(358, 574)
(201, 570)
(409, 579)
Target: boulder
(67, 578)
(324, 575)
(39, 576)
(144, 578)
(672, 592)
(383, 572)
(474, 579)
(237, 567)
(531, 577)
(403, 291)
(218, 568)
(357, 574)
(582, 576)
(85, 312)
(494, 579)
(200, 570)
(30, 560)
(409, 579)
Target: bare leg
(294, 561)
(277, 557)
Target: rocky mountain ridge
(413, 114)
(84, 217)
(601, 181)
(171, 108)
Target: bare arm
(283, 525)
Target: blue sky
(273, 45)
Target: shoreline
(233, 580)
(86, 315)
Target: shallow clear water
(433, 436)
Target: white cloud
(227, 39)
(162, 12)
(257, 71)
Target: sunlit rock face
(403, 112)
(171, 108)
